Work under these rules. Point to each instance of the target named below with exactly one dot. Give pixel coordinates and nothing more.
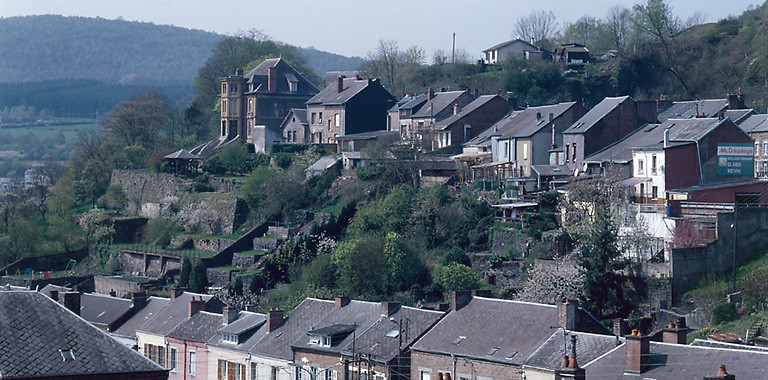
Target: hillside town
(344, 227)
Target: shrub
(368, 173)
(724, 312)
(160, 231)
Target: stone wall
(688, 266)
(150, 264)
(266, 244)
(244, 260)
(201, 243)
(280, 232)
(224, 185)
(218, 277)
(121, 286)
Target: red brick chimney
(341, 300)
(71, 300)
(274, 318)
(722, 374)
(675, 333)
(239, 71)
(175, 292)
(430, 94)
(637, 352)
(339, 84)
(196, 305)
(272, 78)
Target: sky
(354, 27)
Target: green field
(70, 131)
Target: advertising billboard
(735, 159)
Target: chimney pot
(196, 305)
(112, 293)
(565, 362)
(637, 352)
(573, 363)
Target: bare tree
(655, 19)
(538, 25)
(697, 18)
(383, 62)
(619, 25)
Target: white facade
(649, 163)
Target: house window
(172, 359)
(653, 165)
(639, 166)
(425, 375)
(250, 105)
(233, 107)
(253, 371)
(312, 118)
(574, 152)
(294, 136)
(567, 152)
(525, 151)
(757, 148)
(294, 86)
(192, 362)
(655, 192)
(765, 148)
(337, 120)
(273, 373)
(223, 88)
(233, 89)
(155, 353)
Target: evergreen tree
(186, 269)
(238, 286)
(198, 280)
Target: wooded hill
(49, 47)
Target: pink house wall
(183, 348)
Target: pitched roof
(510, 42)
(439, 102)
(330, 96)
(183, 154)
(755, 123)
(300, 114)
(680, 361)
(41, 338)
(588, 347)
(323, 163)
(277, 343)
(259, 76)
(468, 109)
(94, 307)
(358, 314)
(492, 329)
(596, 114)
(738, 116)
(521, 123)
(383, 339)
(620, 151)
(248, 326)
(690, 129)
(690, 108)
(153, 307)
(408, 99)
(552, 170)
(167, 318)
(200, 327)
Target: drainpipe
(453, 370)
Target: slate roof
(439, 102)
(690, 129)
(408, 98)
(198, 328)
(329, 95)
(154, 306)
(167, 318)
(521, 123)
(361, 314)
(552, 170)
(259, 75)
(620, 151)
(468, 109)
(755, 123)
(689, 109)
(416, 102)
(732, 346)
(277, 343)
(298, 113)
(323, 163)
(503, 44)
(738, 116)
(596, 114)
(333, 330)
(588, 347)
(492, 329)
(382, 340)
(367, 135)
(35, 331)
(94, 307)
(248, 325)
(680, 361)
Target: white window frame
(337, 120)
(525, 151)
(192, 363)
(172, 352)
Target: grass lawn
(196, 253)
(47, 131)
(253, 252)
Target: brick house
(349, 106)
(438, 106)
(473, 119)
(757, 127)
(488, 339)
(400, 115)
(607, 122)
(254, 105)
(573, 56)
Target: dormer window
(293, 86)
(321, 341)
(229, 338)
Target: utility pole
(735, 242)
(453, 49)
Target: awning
(633, 181)
(471, 155)
(491, 164)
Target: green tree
(138, 121)
(362, 266)
(184, 274)
(654, 19)
(160, 231)
(198, 279)
(456, 276)
(238, 286)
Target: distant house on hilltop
(517, 48)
